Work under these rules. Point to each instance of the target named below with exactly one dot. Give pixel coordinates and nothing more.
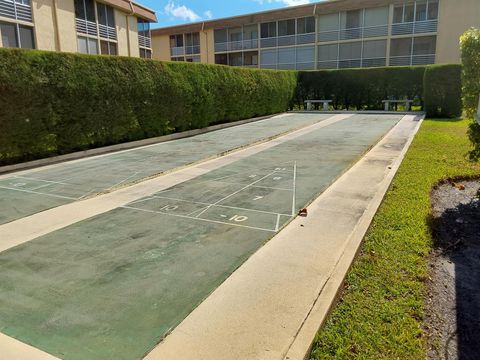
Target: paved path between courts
(273, 305)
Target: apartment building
(327, 35)
(107, 27)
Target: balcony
(14, 10)
(86, 27)
(418, 27)
(236, 45)
(176, 51)
(374, 62)
(107, 32)
(190, 50)
(144, 41)
(305, 38)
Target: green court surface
(112, 286)
(47, 188)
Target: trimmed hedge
(470, 45)
(362, 89)
(443, 91)
(56, 103)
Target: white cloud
(285, 2)
(181, 11)
(208, 14)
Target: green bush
(443, 91)
(361, 89)
(470, 45)
(55, 103)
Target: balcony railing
(412, 60)
(236, 45)
(288, 40)
(190, 50)
(14, 10)
(144, 41)
(328, 64)
(374, 62)
(418, 27)
(423, 59)
(86, 27)
(107, 32)
(177, 51)
(354, 33)
(305, 38)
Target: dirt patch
(453, 303)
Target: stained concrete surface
(114, 285)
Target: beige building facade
(107, 27)
(328, 35)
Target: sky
(174, 12)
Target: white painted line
(208, 205)
(294, 205)
(123, 181)
(37, 192)
(196, 218)
(41, 180)
(278, 222)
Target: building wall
(45, 29)
(455, 17)
(54, 27)
(65, 20)
(132, 31)
(161, 47)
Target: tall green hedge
(443, 91)
(362, 89)
(55, 103)
(470, 45)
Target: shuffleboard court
(42, 189)
(112, 286)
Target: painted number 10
(238, 218)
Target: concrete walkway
(273, 305)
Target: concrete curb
(124, 146)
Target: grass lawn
(379, 315)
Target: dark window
(85, 9)
(353, 20)
(221, 36)
(268, 30)
(105, 15)
(146, 53)
(9, 35)
(26, 37)
(425, 45)
(398, 15)
(176, 41)
(306, 25)
(108, 48)
(286, 27)
(409, 13)
(401, 47)
(421, 14)
(432, 10)
(221, 59)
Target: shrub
(443, 91)
(55, 103)
(470, 45)
(361, 89)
